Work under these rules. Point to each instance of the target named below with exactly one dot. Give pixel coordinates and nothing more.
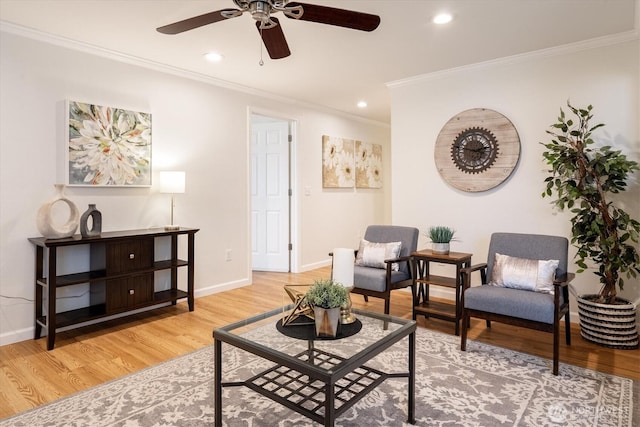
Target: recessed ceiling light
(213, 57)
(442, 18)
(362, 104)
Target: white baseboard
(16, 336)
(315, 265)
(28, 333)
(221, 287)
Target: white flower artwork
(108, 146)
(337, 162)
(368, 165)
(346, 162)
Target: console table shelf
(120, 276)
(73, 317)
(75, 278)
(93, 276)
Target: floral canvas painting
(108, 146)
(368, 165)
(337, 162)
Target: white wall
(197, 127)
(529, 90)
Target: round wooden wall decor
(477, 150)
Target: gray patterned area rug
(484, 386)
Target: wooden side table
(423, 279)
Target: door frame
(293, 205)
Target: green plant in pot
(584, 178)
(441, 237)
(326, 297)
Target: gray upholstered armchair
(382, 265)
(524, 283)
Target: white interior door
(270, 194)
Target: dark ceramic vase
(96, 220)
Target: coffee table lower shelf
(307, 396)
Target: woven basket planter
(610, 325)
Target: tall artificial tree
(584, 177)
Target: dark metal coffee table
(324, 378)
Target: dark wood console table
(120, 276)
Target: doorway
(271, 142)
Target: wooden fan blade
(339, 17)
(274, 40)
(197, 21)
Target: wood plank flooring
(31, 376)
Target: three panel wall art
(347, 162)
(107, 146)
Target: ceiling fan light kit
(269, 27)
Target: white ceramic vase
(440, 248)
(45, 223)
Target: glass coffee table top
(376, 329)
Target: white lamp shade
(172, 182)
(343, 260)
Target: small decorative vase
(96, 222)
(346, 316)
(45, 223)
(327, 321)
(440, 248)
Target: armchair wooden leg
(556, 346)
(567, 328)
(366, 298)
(463, 333)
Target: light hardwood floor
(31, 376)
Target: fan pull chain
(261, 43)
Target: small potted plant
(585, 180)
(326, 297)
(441, 237)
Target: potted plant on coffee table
(326, 297)
(441, 237)
(583, 178)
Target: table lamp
(172, 182)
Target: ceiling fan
(269, 27)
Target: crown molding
(76, 45)
(116, 56)
(524, 57)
